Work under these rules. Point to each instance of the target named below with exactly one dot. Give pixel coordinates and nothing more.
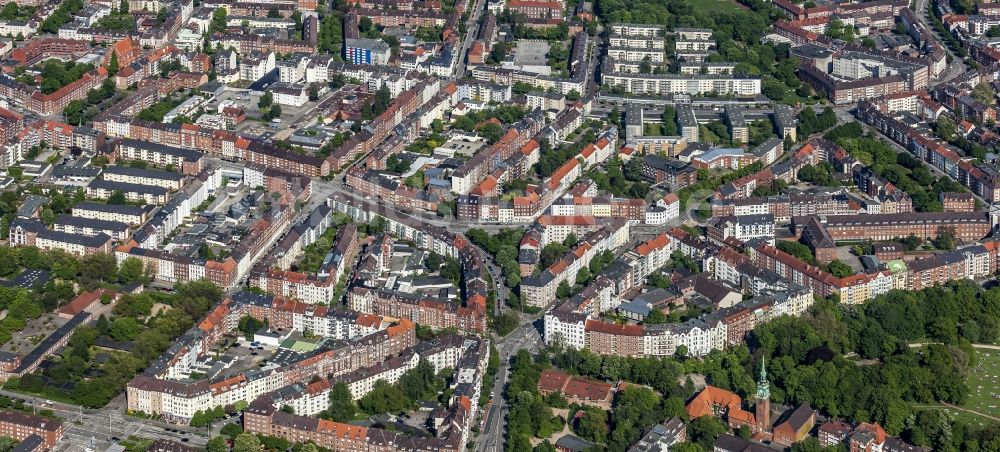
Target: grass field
(963, 417)
(984, 391)
(984, 383)
(715, 5)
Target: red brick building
(534, 9)
(958, 202)
(22, 425)
(608, 338)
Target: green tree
(687, 447)
(655, 317)
(383, 97)
(983, 93)
(48, 216)
(265, 100)
(593, 425)
(274, 112)
(498, 53)
(246, 442)
(218, 22)
(113, 63)
(645, 66)
(342, 408)
(217, 444)
(132, 271)
(249, 325)
(705, 430)
(945, 128)
(545, 446)
(839, 269)
(506, 322)
(97, 267)
(563, 291)
(946, 238)
(9, 11)
(231, 430)
(8, 261)
(491, 132)
(433, 261)
(125, 329)
(808, 444)
(117, 197)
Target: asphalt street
(89, 428)
(526, 336)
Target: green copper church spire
(763, 387)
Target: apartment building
(742, 228)
(189, 161)
(91, 227)
(167, 179)
(968, 226)
(20, 426)
(256, 64)
(150, 194)
(131, 215)
(366, 51)
(645, 30)
(661, 84)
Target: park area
(983, 404)
(984, 383)
(710, 6)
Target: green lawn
(715, 5)
(984, 383)
(960, 416)
(984, 390)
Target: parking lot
(248, 357)
(240, 98)
(531, 52)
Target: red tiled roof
(583, 388)
(552, 380)
(656, 243)
(705, 403)
(84, 300)
(601, 326)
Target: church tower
(763, 400)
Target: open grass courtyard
(727, 6)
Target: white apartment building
(660, 84)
